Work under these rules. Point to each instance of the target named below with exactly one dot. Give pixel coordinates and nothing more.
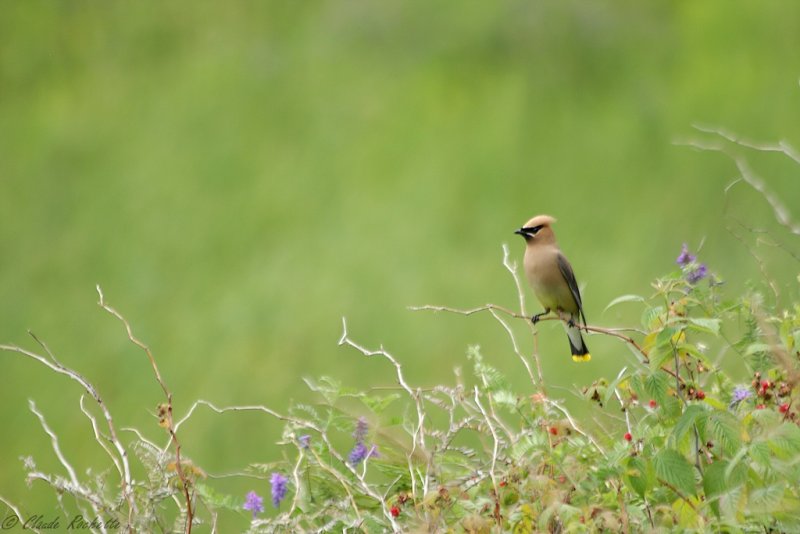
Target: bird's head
(538, 230)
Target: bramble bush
(674, 441)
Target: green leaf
(727, 430)
(656, 386)
(328, 387)
(666, 334)
(761, 453)
(766, 500)
(673, 468)
(623, 298)
(610, 389)
(722, 479)
(786, 441)
(704, 324)
(639, 475)
(505, 398)
(652, 318)
(379, 403)
(714, 479)
(684, 426)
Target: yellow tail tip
(581, 357)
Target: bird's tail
(576, 344)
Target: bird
(553, 281)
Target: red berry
(765, 384)
(760, 407)
(700, 394)
(628, 436)
(653, 403)
(395, 511)
(783, 408)
(503, 484)
(554, 430)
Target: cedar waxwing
(553, 281)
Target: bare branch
(781, 146)
(54, 365)
(418, 436)
(781, 212)
(166, 419)
(17, 513)
(495, 438)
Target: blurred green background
(238, 176)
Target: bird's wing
(569, 276)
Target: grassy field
(238, 177)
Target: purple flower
(254, 503)
(685, 258)
(740, 393)
(358, 454)
(373, 452)
(278, 483)
(691, 270)
(360, 433)
(305, 440)
(697, 274)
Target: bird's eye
(534, 230)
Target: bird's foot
(535, 319)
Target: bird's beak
(521, 232)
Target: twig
(73, 476)
(614, 332)
(679, 493)
(315, 428)
(781, 212)
(17, 513)
(100, 439)
(574, 425)
(418, 436)
(54, 365)
(781, 146)
(167, 417)
(512, 269)
(495, 438)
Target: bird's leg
(566, 317)
(535, 318)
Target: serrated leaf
(672, 467)
(652, 318)
(667, 335)
(379, 404)
(684, 426)
(727, 430)
(639, 475)
(656, 386)
(714, 479)
(786, 441)
(686, 511)
(766, 500)
(637, 385)
(505, 398)
(757, 348)
(326, 386)
(705, 324)
(623, 298)
(722, 479)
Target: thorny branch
(167, 417)
(418, 436)
(55, 365)
(308, 425)
(780, 211)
